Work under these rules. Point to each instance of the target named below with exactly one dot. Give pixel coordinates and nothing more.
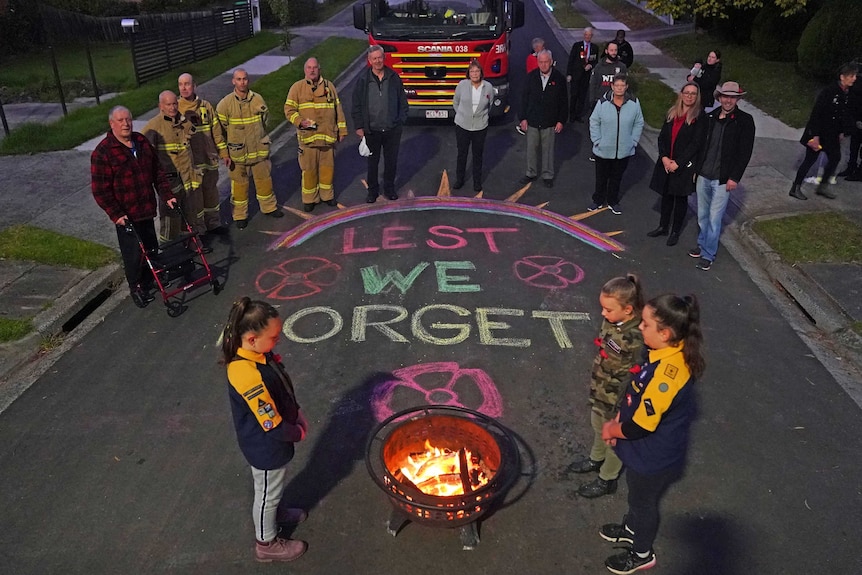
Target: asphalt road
(122, 458)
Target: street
(123, 459)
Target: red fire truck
(430, 43)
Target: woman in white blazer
(472, 102)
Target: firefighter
(242, 115)
(313, 106)
(204, 133)
(168, 132)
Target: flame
(438, 471)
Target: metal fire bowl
(446, 426)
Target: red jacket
(123, 182)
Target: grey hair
(117, 109)
(545, 51)
(589, 29)
(375, 48)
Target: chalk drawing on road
(547, 272)
(297, 278)
(438, 383)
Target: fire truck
(430, 44)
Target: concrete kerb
(49, 322)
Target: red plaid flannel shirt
(122, 184)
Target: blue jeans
(712, 200)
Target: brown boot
(279, 550)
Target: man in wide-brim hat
(721, 163)
(729, 89)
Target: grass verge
(46, 247)
(629, 14)
(655, 96)
(566, 15)
(14, 329)
(801, 239)
(85, 123)
(774, 87)
(31, 77)
(335, 55)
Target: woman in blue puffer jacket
(615, 128)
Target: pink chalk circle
(547, 272)
(456, 378)
(297, 278)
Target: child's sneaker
(594, 206)
(616, 209)
(616, 533)
(279, 550)
(629, 562)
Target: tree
(718, 8)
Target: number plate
(436, 113)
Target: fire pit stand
(459, 431)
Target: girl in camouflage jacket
(620, 346)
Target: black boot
(659, 231)
(823, 190)
(848, 170)
(585, 465)
(598, 488)
(796, 192)
(673, 239)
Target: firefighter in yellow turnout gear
(204, 133)
(313, 106)
(168, 132)
(242, 115)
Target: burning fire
(444, 473)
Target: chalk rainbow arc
(317, 225)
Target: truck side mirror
(517, 14)
(359, 17)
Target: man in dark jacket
(379, 112)
(582, 58)
(626, 52)
(723, 159)
(125, 171)
(542, 115)
(853, 171)
(830, 118)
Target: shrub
(736, 28)
(832, 37)
(775, 37)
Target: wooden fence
(179, 41)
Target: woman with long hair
(707, 75)
(680, 141)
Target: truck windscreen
(437, 19)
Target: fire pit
(442, 466)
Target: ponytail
(681, 315)
(626, 290)
(245, 316)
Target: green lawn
(566, 15)
(655, 96)
(629, 14)
(14, 329)
(30, 76)
(28, 243)
(774, 87)
(334, 54)
(801, 239)
(85, 123)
